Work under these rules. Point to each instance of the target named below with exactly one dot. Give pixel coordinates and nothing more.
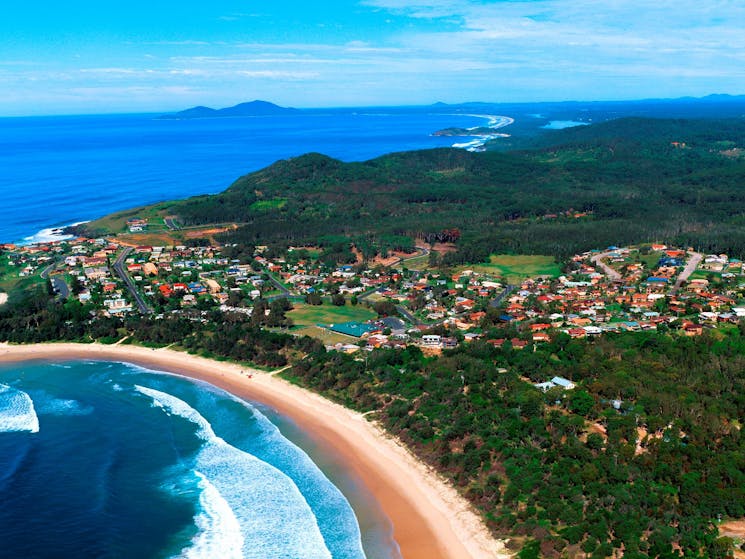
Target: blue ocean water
(62, 170)
(108, 460)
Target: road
(48, 270)
(693, 263)
(407, 315)
(171, 223)
(494, 303)
(58, 284)
(120, 271)
(607, 270)
(60, 287)
(284, 292)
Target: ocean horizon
(62, 170)
(223, 477)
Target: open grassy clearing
(517, 267)
(310, 315)
(418, 263)
(326, 336)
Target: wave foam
(339, 525)
(17, 411)
(49, 405)
(219, 530)
(274, 518)
(50, 235)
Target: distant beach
(430, 519)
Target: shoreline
(430, 519)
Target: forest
(37, 317)
(644, 455)
(629, 180)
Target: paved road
(48, 270)
(58, 284)
(60, 287)
(283, 290)
(607, 270)
(693, 263)
(494, 303)
(119, 270)
(403, 311)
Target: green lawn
(418, 263)
(326, 336)
(310, 315)
(650, 260)
(515, 268)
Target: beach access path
(430, 519)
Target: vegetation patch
(268, 205)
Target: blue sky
(82, 56)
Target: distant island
(251, 108)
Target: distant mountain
(252, 108)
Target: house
(541, 337)
(432, 340)
(553, 383)
(566, 384)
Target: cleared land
(310, 315)
(326, 336)
(514, 268)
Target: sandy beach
(430, 519)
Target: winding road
(607, 270)
(118, 268)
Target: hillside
(623, 181)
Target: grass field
(310, 315)
(326, 336)
(515, 268)
(418, 263)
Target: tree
(580, 402)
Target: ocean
(67, 169)
(111, 460)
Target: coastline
(430, 519)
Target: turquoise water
(102, 459)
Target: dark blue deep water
(61, 170)
(110, 460)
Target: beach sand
(430, 519)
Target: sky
(84, 56)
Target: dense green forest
(570, 472)
(638, 179)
